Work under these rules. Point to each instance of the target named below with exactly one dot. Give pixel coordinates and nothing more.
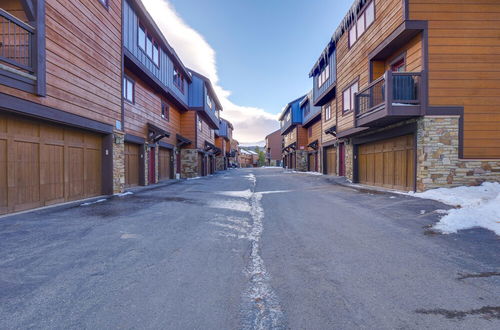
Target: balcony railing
(16, 42)
(398, 88)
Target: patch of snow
(392, 197)
(314, 173)
(242, 193)
(274, 192)
(476, 207)
(95, 202)
(128, 236)
(230, 227)
(234, 205)
(422, 211)
(125, 194)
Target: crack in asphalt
(261, 307)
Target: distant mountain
(260, 144)
(253, 148)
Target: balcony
(16, 45)
(393, 97)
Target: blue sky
(257, 53)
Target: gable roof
(209, 87)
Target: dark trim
(329, 143)
(142, 165)
(107, 165)
(181, 141)
(391, 133)
(398, 58)
(122, 65)
(313, 119)
(326, 96)
(156, 133)
(331, 130)
(40, 63)
(127, 77)
(29, 10)
(355, 167)
(351, 131)
(166, 145)
(134, 139)
(406, 10)
(32, 109)
(16, 81)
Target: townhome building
(94, 100)
(60, 100)
(223, 143)
(273, 148)
(413, 98)
(294, 151)
(234, 152)
(311, 121)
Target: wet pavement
(247, 249)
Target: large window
(365, 19)
(165, 111)
(128, 89)
(179, 80)
(148, 45)
(324, 76)
(348, 97)
(328, 112)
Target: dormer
(203, 99)
(291, 115)
(310, 112)
(324, 76)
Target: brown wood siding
(83, 53)
(290, 137)
(328, 123)
(132, 159)
(388, 163)
(316, 132)
(205, 135)
(464, 66)
(43, 164)
(352, 63)
(147, 108)
(301, 137)
(188, 127)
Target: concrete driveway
(247, 249)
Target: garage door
(331, 161)
(43, 164)
(164, 163)
(132, 157)
(388, 163)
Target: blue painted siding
(196, 92)
(165, 73)
(318, 92)
(222, 131)
(313, 111)
(295, 115)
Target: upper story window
(328, 112)
(146, 42)
(324, 76)
(128, 89)
(209, 101)
(288, 116)
(348, 97)
(307, 110)
(365, 19)
(200, 123)
(165, 111)
(179, 80)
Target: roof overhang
(314, 145)
(182, 141)
(155, 133)
(326, 96)
(331, 130)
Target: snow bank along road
(247, 249)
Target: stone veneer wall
(118, 162)
(189, 163)
(301, 160)
(219, 163)
(349, 160)
(438, 164)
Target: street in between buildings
(247, 249)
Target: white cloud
(251, 124)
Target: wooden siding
(464, 66)
(188, 127)
(352, 64)
(147, 108)
(290, 137)
(205, 135)
(83, 49)
(301, 137)
(316, 132)
(165, 71)
(319, 91)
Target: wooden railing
(395, 88)
(16, 42)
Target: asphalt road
(246, 249)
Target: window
(104, 3)
(307, 109)
(200, 124)
(179, 80)
(288, 116)
(324, 76)
(209, 101)
(141, 38)
(348, 97)
(148, 45)
(128, 89)
(328, 112)
(165, 111)
(365, 19)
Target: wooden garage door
(331, 161)
(388, 163)
(312, 162)
(164, 163)
(132, 157)
(43, 164)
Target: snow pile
(476, 207)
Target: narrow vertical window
(328, 112)
(348, 97)
(209, 101)
(149, 47)
(352, 35)
(165, 111)
(156, 54)
(200, 124)
(370, 14)
(128, 89)
(141, 38)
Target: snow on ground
(476, 207)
